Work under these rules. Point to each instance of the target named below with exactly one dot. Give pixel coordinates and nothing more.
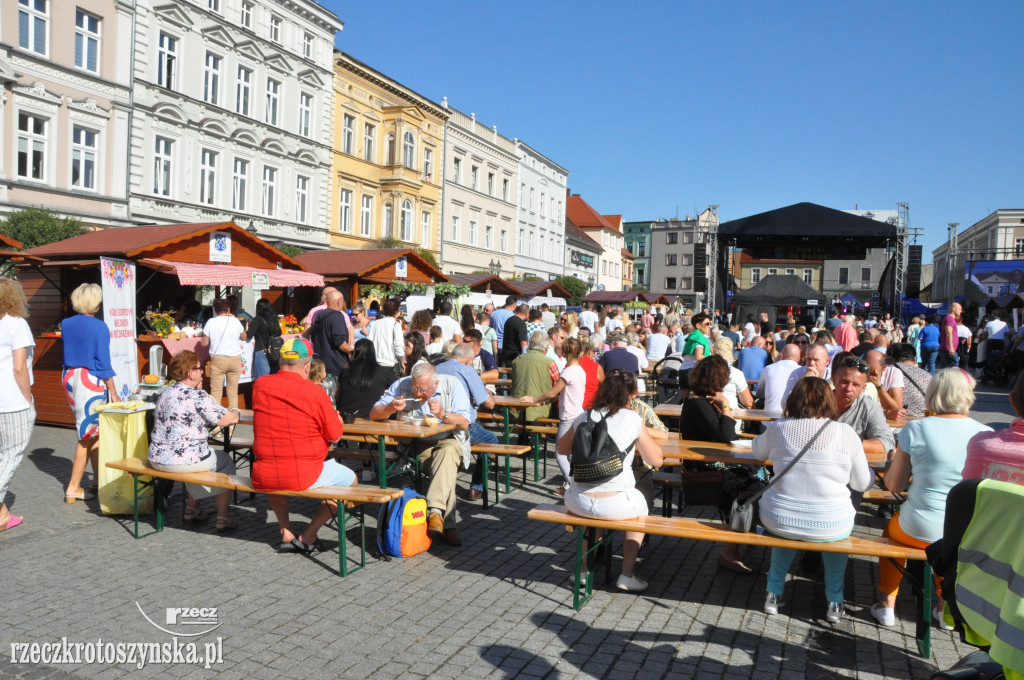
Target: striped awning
(190, 274)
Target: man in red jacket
(293, 421)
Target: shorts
(334, 474)
(627, 504)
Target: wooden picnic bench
(703, 530)
(346, 497)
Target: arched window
(407, 220)
(386, 219)
(409, 150)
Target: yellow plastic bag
(122, 435)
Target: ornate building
(65, 107)
(481, 168)
(234, 115)
(540, 230)
(607, 234)
(387, 159)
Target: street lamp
(495, 267)
(590, 282)
(251, 228)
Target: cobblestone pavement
(498, 607)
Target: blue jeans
(478, 434)
(928, 356)
(835, 571)
(260, 364)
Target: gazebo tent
(772, 292)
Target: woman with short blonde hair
(88, 380)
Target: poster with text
(119, 314)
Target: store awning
(190, 274)
(538, 300)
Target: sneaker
(937, 615)
(631, 584)
(835, 612)
(884, 615)
(772, 603)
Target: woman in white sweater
(387, 336)
(811, 502)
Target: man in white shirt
(554, 352)
(775, 377)
(888, 381)
(658, 344)
(995, 333)
(546, 316)
(588, 318)
(450, 328)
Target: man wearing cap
(293, 421)
(618, 356)
(425, 392)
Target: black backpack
(595, 456)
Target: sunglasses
(850, 362)
(801, 342)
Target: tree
(577, 289)
(383, 243)
(639, 288)
(428, 256)
(290, 250)
(39, 226)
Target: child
(317, 372)
(435, 341)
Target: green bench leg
(382, 468)
(582, 561)
(924, 622)
(486, 476)
(536, 456)
(136, 486)
(507, 425)
(508, 485)
(341, 519)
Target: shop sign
(401, 268)
(581, 259)
(220, 246)
(260, 281)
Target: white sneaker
(835, 612)
(937, 615)
(772, 603)
(884, 615)
(631, 583)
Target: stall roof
(191, 274)
(535, 288)
(172, 242)
(370, 265)
(807, 219)
(479, 283)
(9, 243)
(615, 296)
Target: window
(166, 61)
(275, 28)
(844, 276)
(425, 229)
(490, 184)
(531, 199)
(428, 163)
(302, 197)
(345, 214)
(211, 79)
(489, 236)
(83, 158)
(604, 267)
(369, 136)
(672, 238)
(307, 45)
(522, 195)
(32, 20)
(521, 243)
(670, 260)
(687, 260)
(348, 134)
(245, 17)
(405, 218)
(554, 215)
(305, 113)
(670, 282)
(504, 190)
(809, 277)
(408, 150)
(685, 283)
(388, 220)
(242, 90)
(543, 200)
(239, 184)
(790, 272)
(87, 41)
(472, 232)
(457, 170)
(504, 240)
(640, 274)
(865, 274)
(269, 188)
(455, 227)
(772, 271)
(474, 174)
(641, 249)
(207, 176)
(1018, 245)
(214, 5)
(755, 275)
(162, 158)
(273, 94)
(390, 151)
(366, 216)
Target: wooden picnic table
(676, 451)
(673, 410)
(382, 429)
(507, 403)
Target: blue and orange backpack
(402, 526)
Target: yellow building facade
(388, 160)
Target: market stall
(159, 267)
(483, 289)
(536, 293)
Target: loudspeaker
(913, 287)
(700, 266)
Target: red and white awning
(190, 274)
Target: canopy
(190, 274)
(538, 300)
(775, 290)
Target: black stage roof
(807, 220)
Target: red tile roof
(344, 263)
(628, 255)
(534, 288)
(584, 216)
(119, 240)
(478, 283)
(615, 221)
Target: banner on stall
(220, 246)
(260, 281)
(119, 315)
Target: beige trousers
(442, 462)
(225, 367)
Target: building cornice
(349, 63)
(32, 67)
(550, 163)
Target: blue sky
(659, 106)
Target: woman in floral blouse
(184, 414)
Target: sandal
(225, 524)
(12, 521)
(195, 515)
(306, 549)
(85, 495)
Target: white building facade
(65, 109)
(540, 228)
(233, 115)
(997, 236)
(479, 197)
